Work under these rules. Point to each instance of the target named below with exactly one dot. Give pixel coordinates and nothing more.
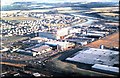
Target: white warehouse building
(96, 56)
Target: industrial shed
(60, 45)
(105, 68)
(96, 56)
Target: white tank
(101, 46)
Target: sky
(5, 2)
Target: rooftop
(38, 49)
(38, 38)
(96, 56)
(58, 43)
(105, 67)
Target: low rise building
(42, 49)
(36, 50)
(105, 68)
(48, 35)
(80, 40)
(38, 40)
(26, 52)
(36, 74)
(96, 56)
(56, 34)
(60, 45)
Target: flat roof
(96, 56)
(43, 47)
(107, 68)
(57, 43)
(38, 38)
(77, 40)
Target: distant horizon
(6, 2)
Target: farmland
(19, 18)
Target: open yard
(7, 40)
(109, 41)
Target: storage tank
(101, 46)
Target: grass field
(12, 39)
(105, 9)
(109, 14)
(19, 18)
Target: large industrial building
(36, 50)
(80, 40)
(60, 45)
(56, 34)
(42, 49)
(59, 33)
(96, 56)
(38, 40)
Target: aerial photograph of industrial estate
(59, 38)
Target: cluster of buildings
(40, 22)
(36, 51)
(57, 32)
(81, 35)
(44, 46)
